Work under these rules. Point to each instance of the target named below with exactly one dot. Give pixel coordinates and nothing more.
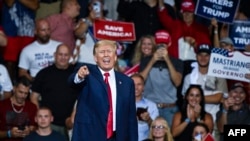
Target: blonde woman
(160, 130)
(146, 46)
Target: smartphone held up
(97, 8)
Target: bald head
(42, 31)
(62, 56)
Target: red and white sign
(114, 30)
(132, 70)
(209, 137)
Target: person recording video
(162, 74)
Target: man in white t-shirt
(5, 83)
(40, 53)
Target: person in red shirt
(17, 114)
(185, 29)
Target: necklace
(14, 109)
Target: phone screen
(97, 8)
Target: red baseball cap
(162, 36)
(187, 6)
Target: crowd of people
(58, 82)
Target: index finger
(84, 67)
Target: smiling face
(194, 97)
(238, 94)
(158, 129)
(105, 54)
(139, 86)
(146, 47)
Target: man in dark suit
(93, 109)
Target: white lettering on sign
(242, 29)
(243, 41)
(215, 13)
(222, 2)
(114, 34)
(113, 28)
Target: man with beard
(17, 113)
(38, 54)
(213, 87)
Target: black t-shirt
(52, 85)
(54, 136)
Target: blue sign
(239, 32)
(222, 10)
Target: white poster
(229, 65)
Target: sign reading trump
(230, 65)
(239, 31)
(113, 30)
(222, 10)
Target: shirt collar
(111, 72)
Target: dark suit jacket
(93, 106)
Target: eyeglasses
(158, 127)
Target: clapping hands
(193, 112)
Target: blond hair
(104, 43)
(168, 136)
(138, 53)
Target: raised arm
(216, 38)
(176, 76)
(149, 65)
(166, 20)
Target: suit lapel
(119, 93)
(95, 72)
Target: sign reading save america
(114, 30)
(229, 65)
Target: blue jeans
(168, 113)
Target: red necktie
(110, 114)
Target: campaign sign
(236, 132)
(230, 65)
(209, 137)
(222, 10)
(132, 70)
(239, 32)
(113, 30)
